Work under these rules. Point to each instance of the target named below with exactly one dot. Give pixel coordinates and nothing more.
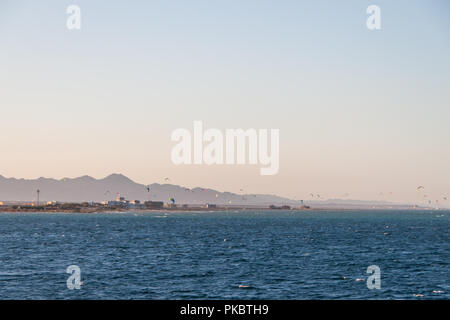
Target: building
(117, 204)
(154, 204)
(280, 208)
(52, 203)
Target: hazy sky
(359, 111)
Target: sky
(360, 112)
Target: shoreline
(201, 209)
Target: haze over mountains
(86, 188)
(89, 189)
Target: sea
(226, 255)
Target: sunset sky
(360, 112)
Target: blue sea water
(226, 255)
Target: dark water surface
(209, 255)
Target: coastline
(203, 209)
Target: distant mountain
(89, 189)
(86, 188)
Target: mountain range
(89, 189)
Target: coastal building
(280, 208)
(154, 204)
(52, 203)
(120, 199)
(133, 204)
(117, 204)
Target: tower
(38, 192)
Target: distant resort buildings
(121, 202)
